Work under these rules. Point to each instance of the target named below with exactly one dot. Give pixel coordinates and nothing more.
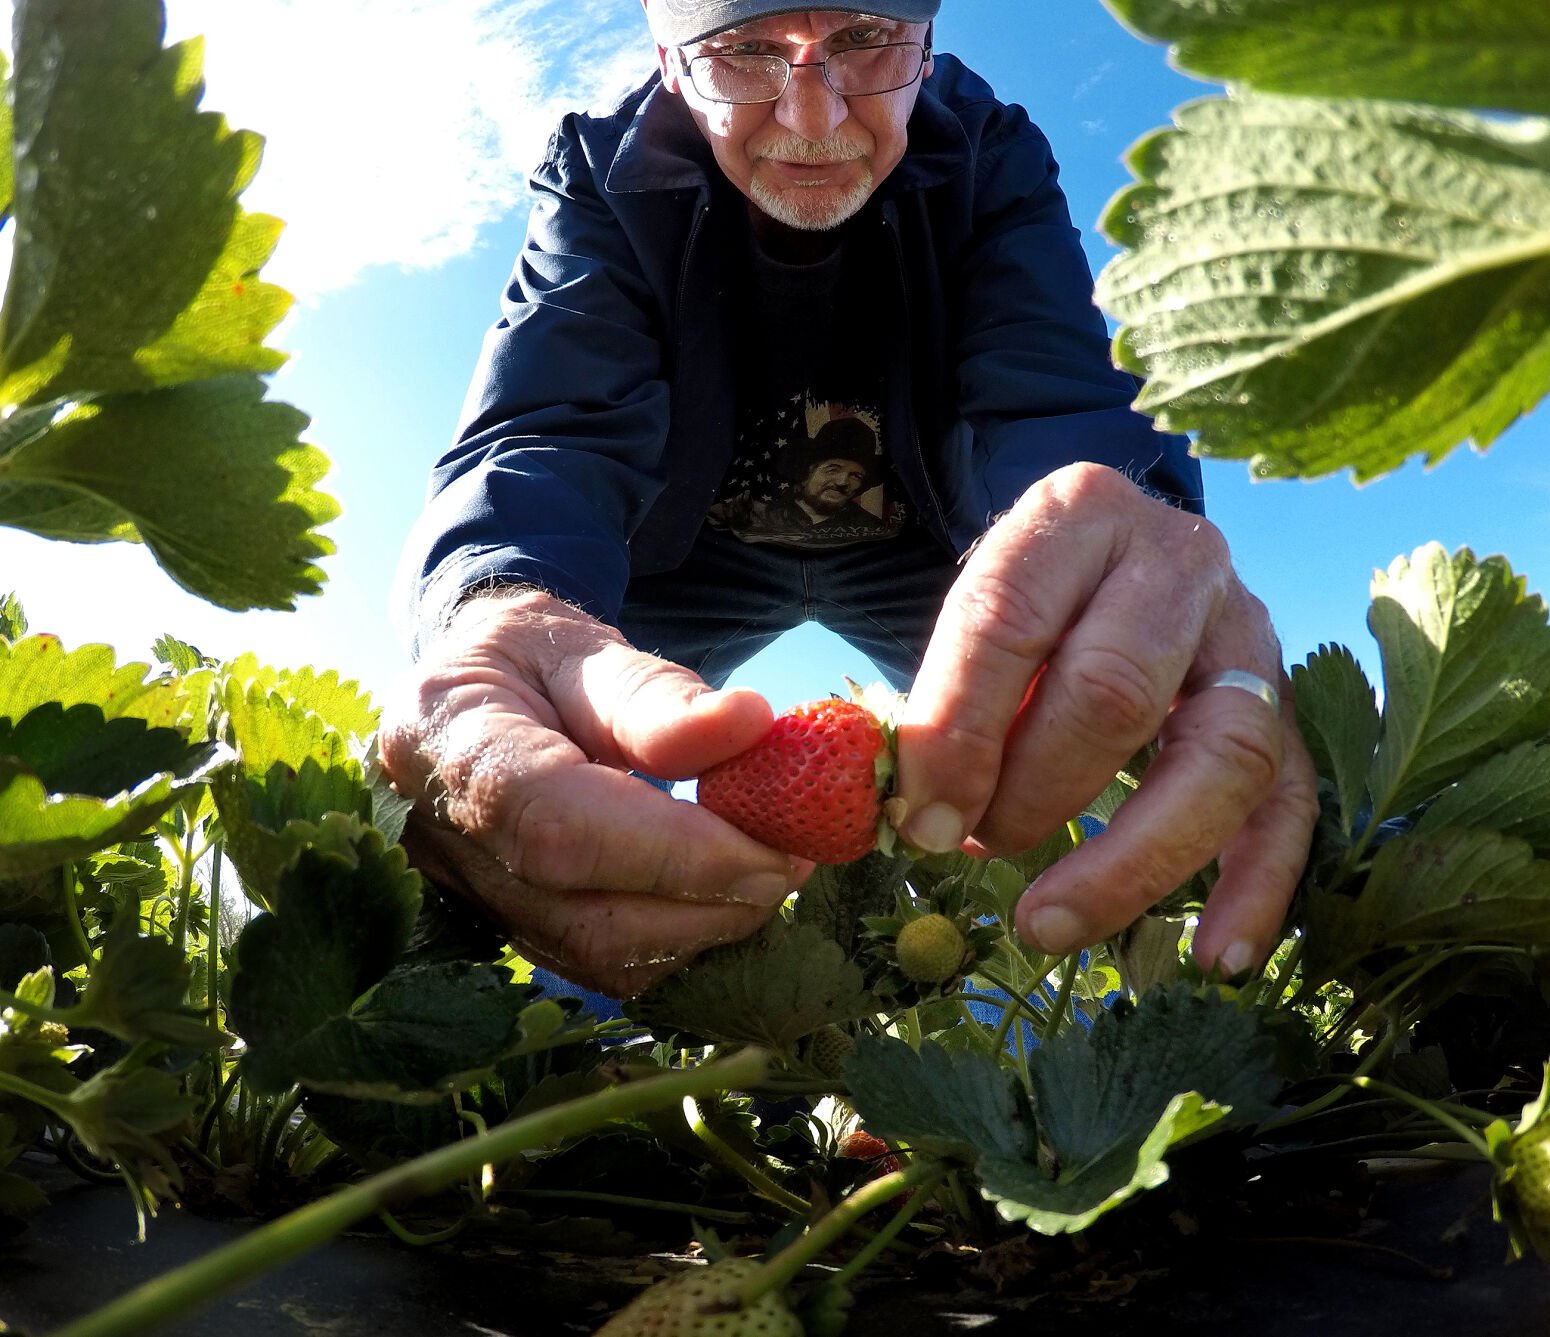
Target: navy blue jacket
(600, 419)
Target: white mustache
(793, 149)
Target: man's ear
(930, 44)
(669, 67)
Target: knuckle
(1254, 754)
(1114, 696)
(551, 844)
(1002, 615)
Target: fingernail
(937, 828)
(759, 889)
(1238, 958)
(1054, 930)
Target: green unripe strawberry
(703, 1303)
(827, 1050)
(930, 949)
(1530, 1184)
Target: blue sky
(398, 133)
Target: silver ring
(1248, 682)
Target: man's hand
(516, 736)
(1089, 621)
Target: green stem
(213, 940)
(1285, 974)
(402, 1232)
(1063, 999)
(73, 913)
(884, 1237)
(279, 1122)
(1431, 1109)
(728, 1159)
(64, 1016)
(1036, 1018)
(185, 891)
(52, 1101)
(186, 1289)
(785, 1265)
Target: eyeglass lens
(858, 72)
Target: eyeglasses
(859, 71)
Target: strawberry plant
(217, 967)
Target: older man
(809, 217)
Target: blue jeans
(730, 599)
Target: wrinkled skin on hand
(515, 737)
(1085, 624)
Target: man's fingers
(1219, 772)
(1260, 867)
(1104, 694)
(657, 717)
(618, 943)
(1059, 652)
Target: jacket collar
(662, 149)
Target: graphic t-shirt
(811, 468)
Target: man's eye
(864, 36)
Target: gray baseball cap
(680, 22)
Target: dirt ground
(1396, 1277)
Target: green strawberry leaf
(837, 897)
(293, 770)
(423, 1031)
(40, 671)
(1337, 715)
(117, 1114)
(1508, 793)
(772, 989)
(963, 1105)
(73, 781)
(342, 914)
(136, 989)
(1466, 53)
(1319, 286)
(13, 619)
(1466, 671)
(1110, 1103)
(210, 476)
(1095, 1089)
(1073, 1201)
(1438, 887)
(343, 706)
(134, 266)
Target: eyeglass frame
(925, 59)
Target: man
(813, 495)
(808, 216)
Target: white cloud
(396, 129)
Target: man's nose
(809, 107)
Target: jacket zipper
(909, 359)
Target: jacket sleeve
(1036, 383)
(558, 450)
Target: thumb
(662, 718)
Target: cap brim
(681, 22)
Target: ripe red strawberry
(861, 1145)
(813, 786)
